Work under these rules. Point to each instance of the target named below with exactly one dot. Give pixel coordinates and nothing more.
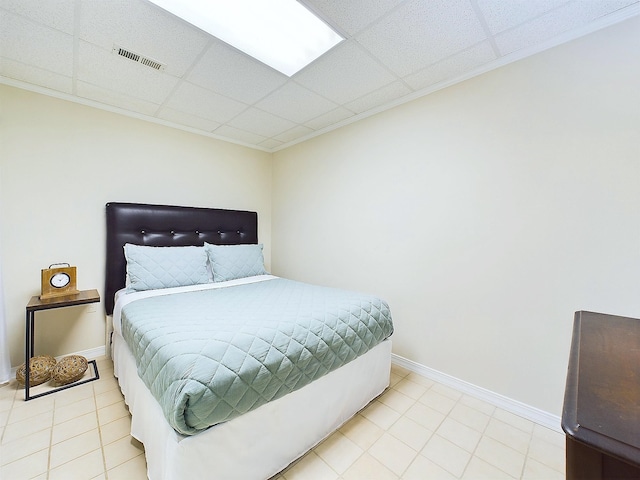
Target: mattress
(209, 355)
(261, 443)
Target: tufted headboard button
(168, 226)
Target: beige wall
(486, 214)
(61, 162)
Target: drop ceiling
(395, 51)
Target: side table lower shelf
(36, 304)
(44, 389)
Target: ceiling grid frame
(325, 95)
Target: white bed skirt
(261, 443)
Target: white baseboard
(90, 354)
(534, 414)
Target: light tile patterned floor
(417, 429)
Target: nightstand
(601, 414)
(35, 305)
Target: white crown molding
(523, 410)
(11, 82)
(603, 22)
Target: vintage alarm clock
(58, 280)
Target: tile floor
(417, 429)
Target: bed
(267, 426)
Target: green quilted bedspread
(209, 356)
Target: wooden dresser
(601, 414)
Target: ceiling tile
(344, 74)
(295, 103)
(115, 99)
(31, 43)
(58, 14)
(144, 29)
(420, 33)
(452, 67)
(351, 16)
(501, 15)
(394, 51)
(261, 123)
(386, 94)
(227, 71)
(182, 118)
(35, 76)
(104, 69)
(330, 118)
(566, 17)
(203, 103)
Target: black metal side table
(35, 305)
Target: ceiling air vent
(136, 57)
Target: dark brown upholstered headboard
(166, 226)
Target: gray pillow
(149, 268)
(229, 262)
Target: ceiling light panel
(280, 33)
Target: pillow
(229, 262)
(163, 267)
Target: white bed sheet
(261, 443)
(124, 297)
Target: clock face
(60, 280)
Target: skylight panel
(281, 33)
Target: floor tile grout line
(364, 451)
(472, 453)
(6, 420)
(102, 452)
(526, 456)
(432, 434)
(495, 466)
(402, 402)
(474, 449)
(333, 433)
(53, 422)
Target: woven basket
(40, 370)
(69, 369)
